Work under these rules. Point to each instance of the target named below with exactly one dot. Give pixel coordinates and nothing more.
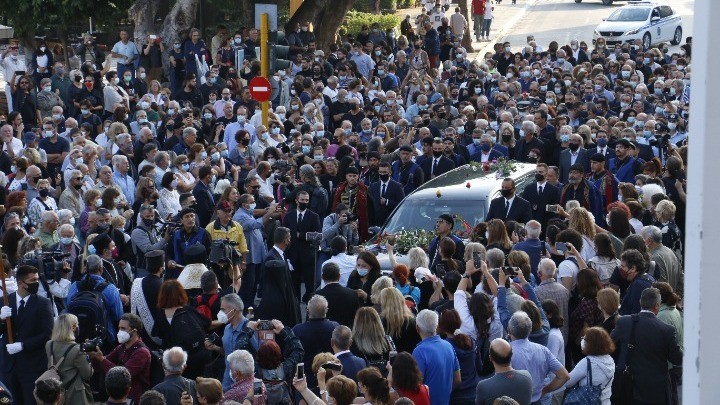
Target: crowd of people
(164, 245)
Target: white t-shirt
(568, 268)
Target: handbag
(587, 394)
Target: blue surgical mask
(306, 149)
(66, 241)
(225, 153)
(564, 138)
(362, 272)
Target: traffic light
(279, 57)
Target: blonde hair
(608, 300)
(63, 328)
(394, 310)
(582, 221)
(115, 129)
(380, 284)
(665, 210)
(118, 222)
(322, 358)
(473, 247)
(417, 258)
(368, 333)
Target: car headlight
(632, 32)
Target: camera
(213, 338)
(91, 345)
(282, 167)
(48, 263)
(510, 271)
(171, 225)
(265, 325)
(350, 217)
(314, 237)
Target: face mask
(252, 206)
(128, 78)
(564, 138)
(44, 193)
(222, 317)
(509, 75)
(506, 193)
(294, 107)
(185, 166)
(264, 136)
(48, 134)
(574, 147)
(171, 111)
(13, 169)
(241, 119)
(305, 149)
(671, 126)
(507, 49)
(271, 161)
(66, 241)
(558, 90)
(176, 46)
(625, 74)
(633, 83)
(203, 155)
(437, 153)
(362, 272)
(485, 147)
(123, 336)
(302, 206)
(506, 138)
(582, 344)
(461, 130)
(32, 288)
(560, 60)
(602, 142)
(539, 177)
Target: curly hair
(582, 221)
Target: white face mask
(123, 336)
(582, 344)
(223, 317)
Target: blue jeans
(486, 27)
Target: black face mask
(506, 193)
(574, 147)
(32, 288)
(77, 186)
(245, 142)
(148, 222)
(539, 177)
(506, 138)
(437, 154)
(384, 177)
(44, 193)
(302, 206)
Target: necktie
(434, 166)
(382, 193)
(21, 308)
(507, 207)
(300, 215)
(540, 189)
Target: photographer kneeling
(131, 353)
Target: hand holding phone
(561, 247)
(554, 208)
(300, 372)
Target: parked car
(448, 194)
(653, 23)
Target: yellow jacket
(234, 233)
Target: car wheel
(677, 37)
(646, 40)
(607, 2)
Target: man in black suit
(655, 344)
(31, 318)
(303, 251)
(436, 164)
(343, 302)
(540, 194)
(509, 207)
(386, 194)
(573, 155)
(315, 333)
(204, 196)
(601, 146)
(341, 341)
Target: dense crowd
(162, 242)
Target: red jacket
(361, 207)
(478, 7)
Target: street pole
(264, 59)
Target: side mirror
(654, 18)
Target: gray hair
(241, 361)
(66, 227)
(117, 159)
(94, 264)
(547, 267)
(650, 298)
(64, 214)
(234, 300)
(533, 229)
(76, 173)
(317, 307)
(520, 325)
(48, 216)
(495, 258)
(146, 207)
(571, 205)
(122, 139)
(653, 233)
(427, 322)
(160, 157)
(188, 131)
(174, 360)
(342, 337)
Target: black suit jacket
(343, 302)
(394, 193)
(444, 165)
(520, 210)
(273, 254)
(33, 328)
(538, 202)
(655, 345)
(301, 251)
(609, 154)
(205, 203)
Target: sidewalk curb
(505, 29)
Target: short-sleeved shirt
(517, 384)
(128, 50)
(61, 146)
(438, 363)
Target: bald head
(500, 352)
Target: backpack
(52, 371)
(89, 307)
(276, 388)
(205, 309)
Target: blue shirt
(111, 299)
(537, 360)
(126, 185)
(229, 342)
(437, 362)
(533, 247)
(253, 235)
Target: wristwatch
(466, 275)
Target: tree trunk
(248, 13)
(179, 20)
(143, 13)
(326, 16)
(467, 37)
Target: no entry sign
(260, 89)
